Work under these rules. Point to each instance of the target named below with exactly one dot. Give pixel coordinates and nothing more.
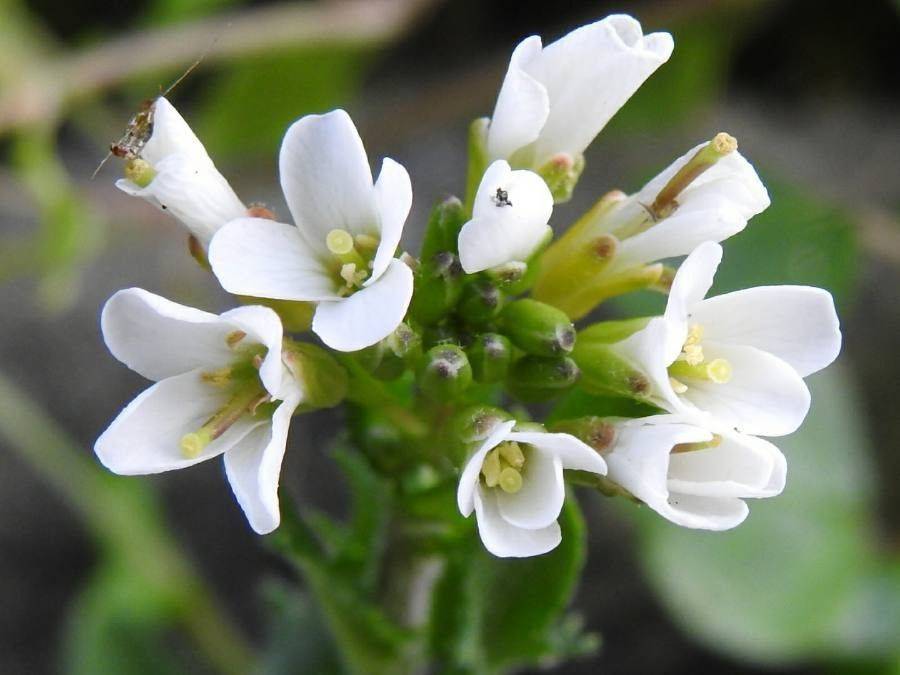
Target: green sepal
(540, 378)
(490, 355)
(322, 379)
(480, 302)
(445, 372)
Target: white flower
(221, 388)
(514, 483)
(509, 219)
(691, 475)
(185, 183)
(341, 252)
(740, 356)
(714, 206)
(555, 100)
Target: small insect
(501, 198)
(140, 127)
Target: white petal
(146, 436)
(589, 74)
(712, 220)
(263, 326)
(740, 466)
(538, 503)
(171, 136)
(468, 479)
(651, 350)
(253, 467)
(506, 540)
(798, 324)
(326, 178)
(159, 338)
(192, 192)
(503, 232)
(573, 453)
(693, 280)
(765, 396)
(522, 104)
(265, 259)
(367, 316)
(639, 457)
(393, 194)
(703, 513)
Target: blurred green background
(102, 574)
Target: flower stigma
(352, 257)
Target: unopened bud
(195, 248)
(609, 332)
(490, 356)
(446, 372)
(478, 158)
(538, 328)
(438, 284)
(605, 372)
(260, 210)
(475, 424)
(561, 174)
(480, 302)
(322, 379)
(539, 378)
(442, 229)
(597, 432)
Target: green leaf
(800, 579)
(248, 110)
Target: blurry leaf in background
(801, 580)
(69, 235)
(170, 11)
(247, 110)
(119, 626)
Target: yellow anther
(339, 242)
(510, 480)
(677, 386)
(194, 443)
(512, 454)
(367, 242)
(695, 334)
(491, 469)
(719, 371)
(234, 337)
(693, 354)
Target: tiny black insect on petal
(501, 198)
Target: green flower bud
(323, 380)
(478, 158)
(538, 378)
(538, 328)
(597, 432)
(442, 230)
(561, 174)
(438, 284)
(480, 302)
(490, 356)
(605, 372)
(446, 372)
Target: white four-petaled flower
(514, 483)
(715, 205)
(509, 219)
(693, 475)
(555, 99)
(740, 357)
(185, 182)
(221, 388)
(341, 252)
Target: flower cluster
(483, 315)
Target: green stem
(126, 523)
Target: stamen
(512, 454)
(491, 469)
(219, 378)
(367, 242)
(715, 442)
(719, 371)
(243, 402)
(695, 334)
(692, 354)
(677, 386)
(510, 480)
(234, 337)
